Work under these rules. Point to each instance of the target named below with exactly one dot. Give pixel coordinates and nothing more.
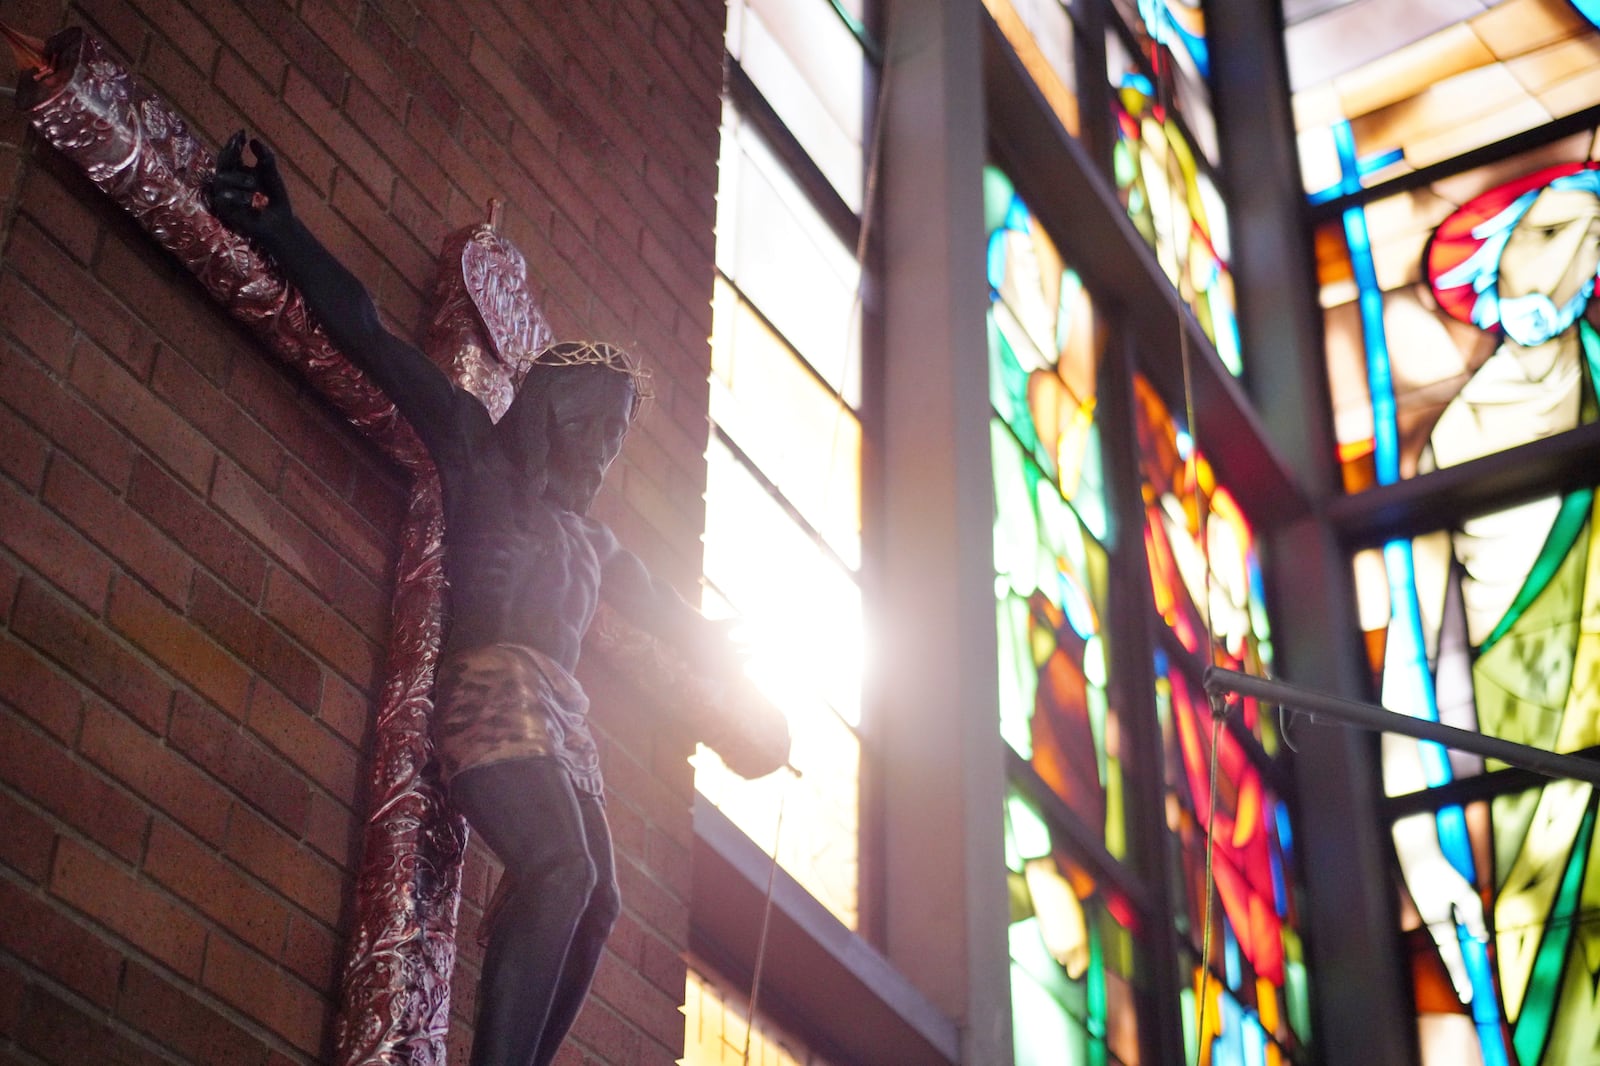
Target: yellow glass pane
(715, 1030)
(799, 434)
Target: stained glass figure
(1170, 36)
(1398, 85)
(1258, 1008)
(1188, 576)
(1506, 641)
(1173, 201)
(1454, 314)
(1073, 954)
(1050, 518)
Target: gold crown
(598, 353)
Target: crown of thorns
(596, 353)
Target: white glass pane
(810, 68)
(786, 260)
(803, 610)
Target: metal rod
(1371, 716)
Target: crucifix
(507, 437)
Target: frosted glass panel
(810, 68)
(784, 258)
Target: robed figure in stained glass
(1513, 599)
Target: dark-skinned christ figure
(526, 566)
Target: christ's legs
(593, 929)
(528, 812)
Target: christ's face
(1548, 266)
(588, 422)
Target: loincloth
(509, 701)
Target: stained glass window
(1188, 574)
(1257, 1009)
(1073, 972)
(1171, 37)
(1494, 626)
(1170, 195)
(783, 482)
(1454, 314)
(1041, 33)
(1050, 517)
(1384, 87)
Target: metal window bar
(1318, 705)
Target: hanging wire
(1178, 207)
(766, 913)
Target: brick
(398, 248)
(346, 710)
(120, 531)
(662, 964)
(65, 285)
(151, 423)
(128, 906)
(179, 1019)
(334, 830)
(656, 1014)
(59, 205)
(315, 60)
(322, 754)
(11, 989)
(601, 1028)
(364, 603)
(46, 404)
(654, 904)
(218, 745)
(26, 844)
(303, 159)
(285, 864)
(22, 451)
(184, 649)
(36, 325)
(244, 38)
(282, 1003)
(168, 298)
(120, 26)
(282, 535)
(210, 540)
(176, 24)
(355, 153)
(90, 654)
(372, 77)
(320, 629)
(410, 65)
(62, 1035)
(211, 411)
(312, 952)
(236, 626)
(340, 524)
(155, 772)
(53, 548)
(216, 888)
(40, 934)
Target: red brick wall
(194, 553)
